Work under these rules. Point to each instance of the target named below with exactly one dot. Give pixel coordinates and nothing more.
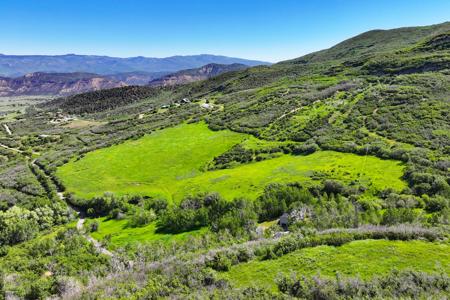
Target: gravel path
(8, 131)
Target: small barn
(284, 221)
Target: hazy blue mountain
(19, 65)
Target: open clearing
(82, 123)
(170, 163)
(154, 164)
(359, 258)
(122, 235)
(13, 106)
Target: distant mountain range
(191, 75)
(19, 65)
(63, 84)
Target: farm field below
(366, 258)
(171, 163)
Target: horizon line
(139, 56)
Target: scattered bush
(404, 285)
(141, 217)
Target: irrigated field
(365, 258)
(170, 163)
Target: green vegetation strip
(365, 258)
(170, 163)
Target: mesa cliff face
(55, 84)
(66, 84)
(191, 75)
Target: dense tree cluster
(19, 224)
(102, 100)
(237, 216)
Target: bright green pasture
(169, 163)
(152, 165)
(365, 259)
(249, 180)
(121, 234)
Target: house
(61, 118)
(284, 221)
(206, 106)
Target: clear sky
(270, 30)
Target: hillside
(19, 65)
(191, 75)
(321, 177)
(375, 42)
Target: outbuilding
(284, 221)
(206, 106)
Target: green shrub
(93, 226)
(400, 215)
(435, 204)
(141, 217)
(220, 262)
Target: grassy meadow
(250, 179)
(149, 165)
(121, 234)
(366, 258)
(171, 163)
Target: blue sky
(270, 30)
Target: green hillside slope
(362, 258)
